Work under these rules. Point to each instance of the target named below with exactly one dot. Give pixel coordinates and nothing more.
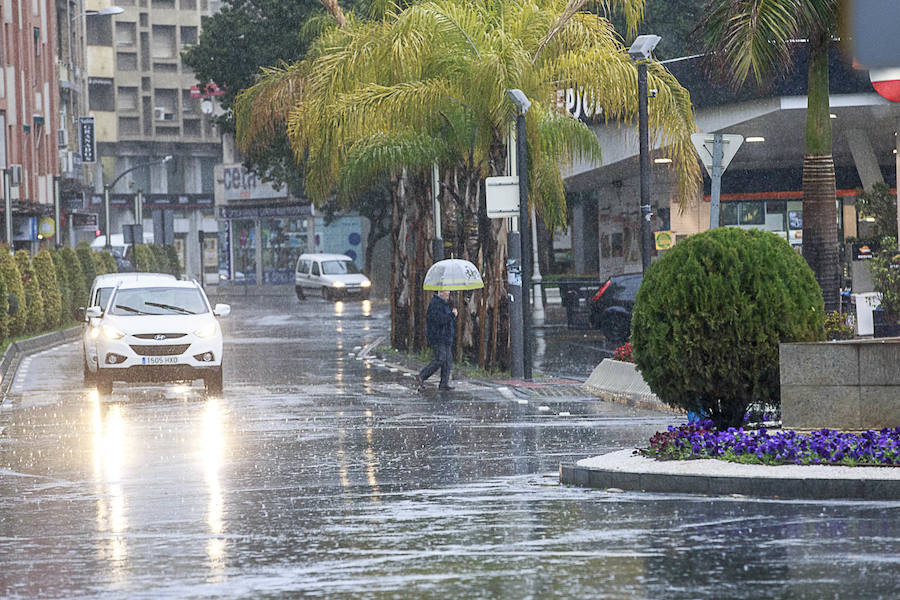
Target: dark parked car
(611, 306)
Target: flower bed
(824, 446)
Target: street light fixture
(523, 104)
(109, 186)
(640, 52)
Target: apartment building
(29, 96)
(146, 106)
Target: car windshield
(158, 301)
(339, 267)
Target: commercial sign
(254, 212)
(664, 239)
(241, 184)
(84, 220)
(88, 143)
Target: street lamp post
(640, 52)
(523, 104)
(109, 186)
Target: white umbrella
(453, 274)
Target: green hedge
(49, 286)
(143, 259)
(34, 301)
(65, 292)
(16, 318)
(160, 258)
(86, 260)
(174, 263)
(75, 279)
(710, 314)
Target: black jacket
(440, 327)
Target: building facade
(29, 117)
(147, 106)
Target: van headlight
(338, 284)
(111, 333)
(208, 331)
(365, 283)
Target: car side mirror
(93, 312)
(79, 314)
(222, 310)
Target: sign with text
(241, 184)
(84, 220)
(88, 141)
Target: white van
(117, 243)
(336, 275)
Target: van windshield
(158, 301)
(339, 267)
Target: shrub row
(42, 292)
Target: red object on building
(29, 100)
(209, 90)
(886, 82)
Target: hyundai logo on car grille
(159, 337)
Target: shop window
(728, 213)
(752, 213)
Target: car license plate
(159, 360)
(353, 290)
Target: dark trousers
(442, 360)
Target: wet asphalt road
(318, 474)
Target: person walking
(440, 329)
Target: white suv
(101, 290)
(159, 330)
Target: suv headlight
(111, 333)
(208, 331)
(365, 283)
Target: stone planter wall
(620, 381)
(852, 384)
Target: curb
(18, 349)
(624, 471)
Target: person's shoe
(445, 388)
(420, 383)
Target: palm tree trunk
(820, 243)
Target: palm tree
(758, 36)
(427, 84)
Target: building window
(163, 4)
(129, 126)
(101, 94)
(165, 105)
(188, 4)
(127, 99)
(192, 127)
(126, 61)
(188, 35)
(189, 106)
(98, 31)
(126, 34)
(163, 44)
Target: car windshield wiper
(130, 309)
(183, 311)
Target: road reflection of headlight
(339, 307)
(111, 333)
(366, 308)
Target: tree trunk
(820, 240)
(399, 270)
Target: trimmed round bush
(143, 259)
(710, 314)
(86, 260)
(34, 301)
(160, 259)
(65, 292)
(46, 277)
(16, 317)
(75, 278)
(174, 263)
